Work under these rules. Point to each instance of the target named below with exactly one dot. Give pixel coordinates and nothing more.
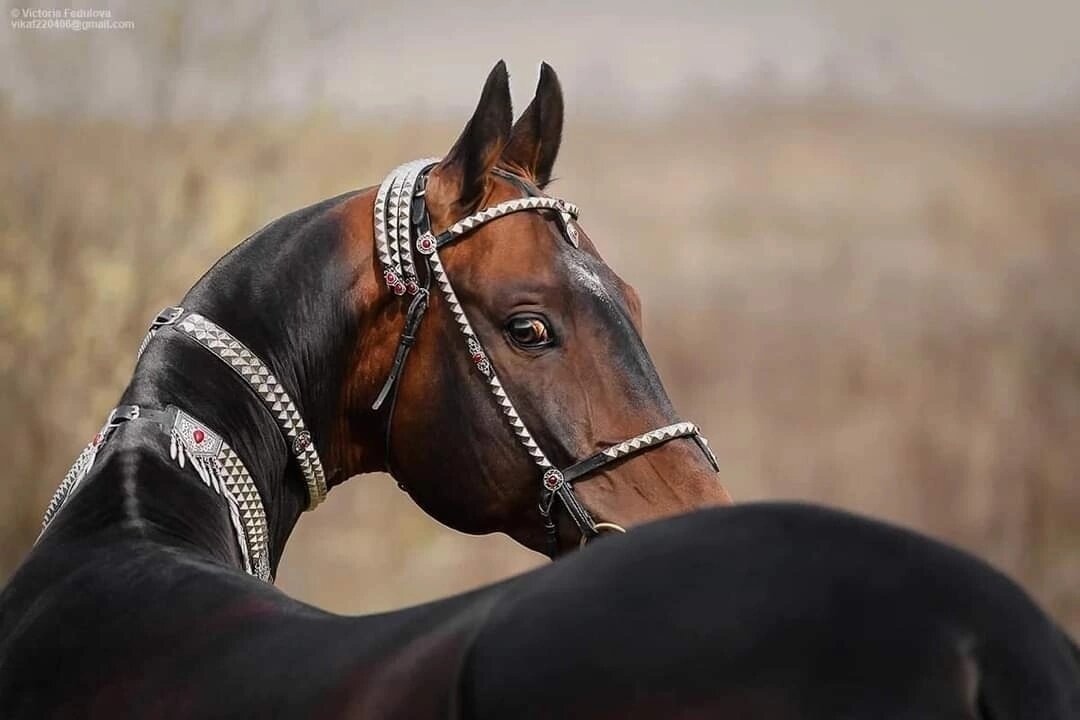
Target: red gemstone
(198, 436)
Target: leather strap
(417, 308)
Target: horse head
(529, 356)
(454, 326)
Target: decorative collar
(193, 442)
(248, 366)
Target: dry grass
(868, 309)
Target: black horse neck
(283, 293)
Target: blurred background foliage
(855, 229)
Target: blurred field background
(855, 229)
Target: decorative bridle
(192, 442)
(401, 208)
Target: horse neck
(284, 294)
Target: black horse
(779, 612)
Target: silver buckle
(167, 317)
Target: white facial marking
(588, 279)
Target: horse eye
(529, 331)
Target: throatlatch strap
(417, 308)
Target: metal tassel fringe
(209, 471)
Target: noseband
(401, 209)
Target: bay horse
(147, 593)
(530, 405)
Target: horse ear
(534, 141)
(458, 183)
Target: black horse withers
(770, 611)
